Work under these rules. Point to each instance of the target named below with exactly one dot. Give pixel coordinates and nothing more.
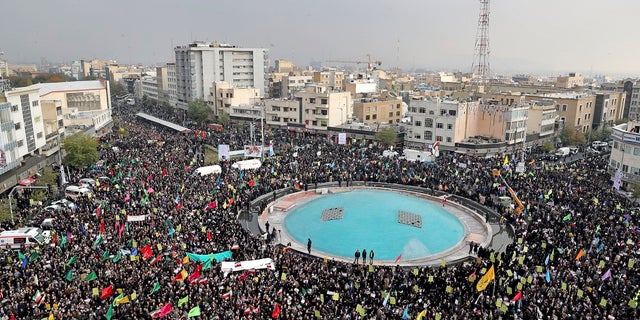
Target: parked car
(64, 203)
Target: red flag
(209, 235)
(101, 226)
(203, 281)
(247, 311)
(398, 258)
(156, 259)
(55, 238)
(517, 297)
(472, 276)
(164, 172)
(194, 276)
(106, 292)
(212, 205)
(276, 311)
(252, 183)
(242, 276)
(179, 205)
(147, 252)
(226, 295)
(163, 312)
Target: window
(375, 116)
(439, 125)
(438, 138)
(564, 107)
(34, 103)
(367, 117)
(60, 124)
(14, 107)
(17, 126)
(636, 151)
(443, 112)
(323, 101)
(428, 135)
(397, 113)
(20, 143)
(312, 100)
(580, 108)
(449, 139)
(390, 114)
(449, 126)
(39, 135)
(422, 110)
(418, 123)
(428, 123)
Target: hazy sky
(541, 36)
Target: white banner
(136, 218)
(223, 152)
(253, 151)
(342, 138)
(230, 266)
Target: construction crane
(519, 207)
(371, 64)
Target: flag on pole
(106, 292)
(548, 276)
(398, 258)
(517, 297)
(486, 278)
(276, 311)
(109, 313)
(580, 254)
(91, 276)
(606, 275)
(156, 287)
(183, 301)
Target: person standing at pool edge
(357, 256)
(364, 256)
(371, 254)
(309, 245)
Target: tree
(82, 150)
(199, 111)
(56, 78)
(571, 137)
(547, 146)
(223, 118)
(48, 177)
(621, 121)
(387, 136)
(117, 89)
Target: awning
(27, 181)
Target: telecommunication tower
(480, 67)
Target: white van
(247, 164)
(88, 182)
(75, 191)
(15, 239)
(205, 171)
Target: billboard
(342, 138)
(253, 151)
(223, 152)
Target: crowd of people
(572, 256)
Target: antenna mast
(480, 66)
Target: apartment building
(171, 84)
(291, 84)
(199, 65)
(570, 81)
(224, 96)
(162, 80)
(148, 86)
(435, 119)
(609, 108)
(322, 108)
(634, 105)
(330, 78)
(542, 121)
(379, 109)
(21, 129)
(282, 112)
(625, 154)
(575, 109)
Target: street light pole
(11, 197)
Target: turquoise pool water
(371, 222)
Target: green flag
(33, 257)
(183, 301)
(120, 296)
(21, 256)
(194, 312)
(63, 241)
(207, 265)
(567, 217)
(117, 257)
(72, 261)
(98, 241)
(91, 276)
(156, 287)
(105, 256)
(69, 275)
(109, 313)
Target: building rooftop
(46, 88)
(567, 95)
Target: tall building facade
(199, 65)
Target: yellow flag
(50, 316)
(184, 274)
(506, 161)
(185, 260)
(421, 314)
(123, 300)
(484, 281)
(360, 310)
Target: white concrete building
(199, 65)
(435, 119)
(171, 84)
(149, 88)
(634, 105)
(625, 154)
(322, 108)
(21, 126)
